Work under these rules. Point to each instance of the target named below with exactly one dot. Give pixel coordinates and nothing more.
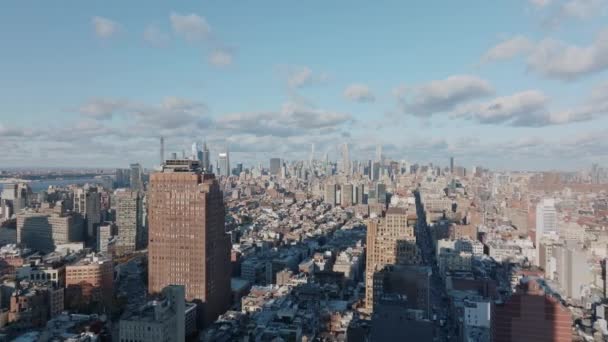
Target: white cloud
(575, 10)
(527, 108)
(155, 36)
(540, 3)
(508, 49)
(220, 57)
(301, 76)
(531, 108)
(555, 59)
(104, 27)
(359, 93)
(291, 120)
(171, 113)
(582, 9)
(191, 27)
(102, 109)
(442, 95)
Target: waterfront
(38, 186)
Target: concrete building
(223, 164)
(43, 231)
(169, 319)
(546, 220)
(392, 321)
(572, 272)
(275, 166)
(188, 244)
(128, 220)
(412, 282)
(87, 202)
(137, 178)
(346, 191)
(330, 196)
(104, 235)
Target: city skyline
(519, 87)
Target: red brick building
(531, 315)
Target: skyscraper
(224, 163)
(345, 159)
(188, 244)
(197, 154)
(546, 222)
(330, 193)
(312, 154)
(346, 191)
(275, 166)
(87, 202)
(379, 153)
(128, 220)
(531, 315)
(162, 150)
(137, 178)
(452, 165)
(389, 241)
(205, 158)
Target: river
(44, 184)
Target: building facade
(188, 244)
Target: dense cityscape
(307, 250)
(304, 171)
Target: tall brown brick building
(531, 315)
(390, 240)
(188, 244)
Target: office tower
(13, 198)
(137, 178)
(346, 195)
(128, 220)
(571, 271)
(381, 193)
(238, 169)
(196, 152)
(330, 194)
(87, 202)
(275, 166)
(188, 244)
(162, 150)
(223, 163)
(452, 165)
(546, 217)
(43, 231)
(389, 241)
(205, 158)
(375, 171)
(161, 320)
(104, 234)
(360, 194)
(312, 154)
(379, 153)
(531, 315)
(173, 155)
(546, 222)
(345, 160)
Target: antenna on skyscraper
(162, 150)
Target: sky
(510, 85)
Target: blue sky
(504, 84)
